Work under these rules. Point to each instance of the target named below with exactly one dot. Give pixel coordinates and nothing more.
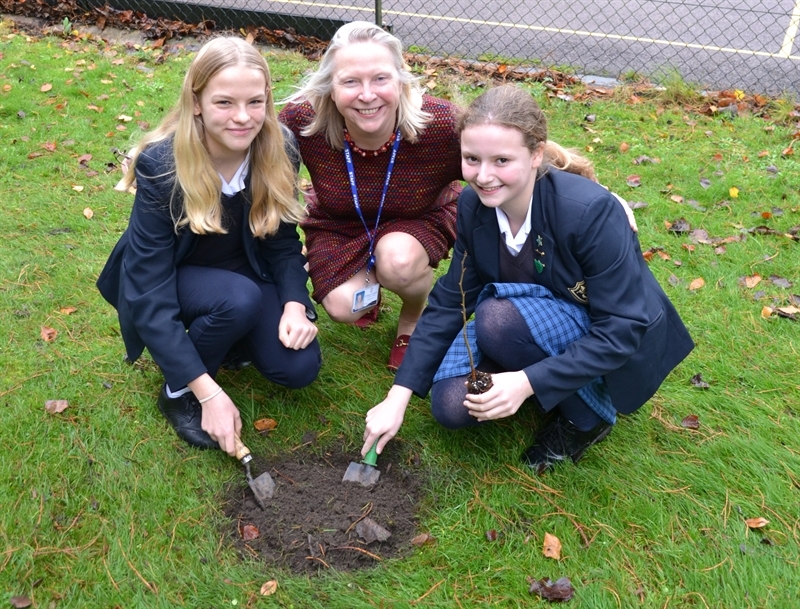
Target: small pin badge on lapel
(539, 266)
(539, 240)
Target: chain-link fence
(713, 44)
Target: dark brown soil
(315, 522)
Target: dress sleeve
(150, 275)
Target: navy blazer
(591, 258)
(140, 277)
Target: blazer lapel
(486, 241)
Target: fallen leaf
(56, 406)
(491, 535)
(688, 247)
(262, 425)
(766, 312)
(34, 155)
(763, 153)
(49, 146)
(7, 88)
(560, 590)
(705, 182)
(269, 588)
(48, 334)
(624, 147)
(677, 198)
(422, 539)
(88, 213)
(781, 282)
(751, 281)
(77, 188)
(678, 226)
(67, 310)
(250, 532)
(20, 602)
(46, 87)
(717, 157)
(634, 181)
(691, 422)
(697, 381)
(756, 523)
(551, 547)
(124, 118)
(84, 159)
(696, 284)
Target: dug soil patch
(315, 522)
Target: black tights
(507, 345)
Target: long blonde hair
(272, 177)
(512, 107)
(318, 86)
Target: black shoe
(184, 413)
(561, 439)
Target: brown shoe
(398, 352)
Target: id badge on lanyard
(368, 296)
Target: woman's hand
(295, 330)
(509, 390)
(385, 419)
(221, 418)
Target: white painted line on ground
(791, 32)
(784, 53)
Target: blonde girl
(211, 261)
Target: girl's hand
(509, 390)
(295, 330)
(385, 419)
(222, 422)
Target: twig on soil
(327, 566)
(436, 585)
(368, 507)
(370, 554)
(277, 473)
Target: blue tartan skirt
(553, 324)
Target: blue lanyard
(351, 174)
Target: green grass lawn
(102, 506)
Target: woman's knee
(402, 261)
(293, 369)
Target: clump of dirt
(316, 522)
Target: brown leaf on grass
(264, 425)
(680, 225)
(634, 181)
(624, 147)
(67, 310)
(697, 381)
(766, 312)
(551, 547)
(677, 198)
(788, 312)
(48, 334)
(84, 159)
(558, 591)
(688, 247)
(45, 87)
(422, 539)
(269, 588)
(491, 535)
(717, 157)
(49, 146)
(20, 602)
(691, 422)
(756, 523)
(250, 532)
(88, 213)
(751, 281)
(56, 406)
(644, 159)
(696, 284)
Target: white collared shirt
(514, 243)
(237, 181)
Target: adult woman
(211, 257)
(384, 164)
(566, 309)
